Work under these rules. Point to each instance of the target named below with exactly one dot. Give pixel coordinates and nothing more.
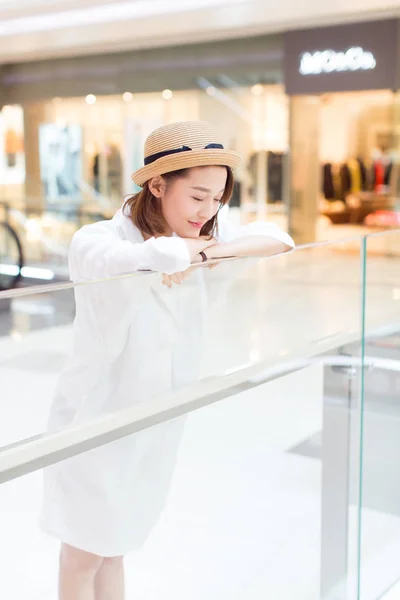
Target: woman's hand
(195, 246)
(177, 278)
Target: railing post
(336, 466)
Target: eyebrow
(203, 189)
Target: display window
(12, 158)
(89, 147)
(60, 151)
(359, 156)
(112, 132)
(344, 131)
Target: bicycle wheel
(11, 257)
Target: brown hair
(145, 210)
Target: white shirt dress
(133, 339)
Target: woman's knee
(75, 560)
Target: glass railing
(45, 232)
(380, 514)
(218, 441)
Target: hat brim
(186, 160)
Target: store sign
(360, 56)
(329, 61)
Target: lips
(196, 225)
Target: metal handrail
(43, 450)
(70, 211)
(54, 287)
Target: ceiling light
(127, 97)
(15, 335)
(167, 94)
(90, 99)
(211, 91)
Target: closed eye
(202, 199)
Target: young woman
(133, 339)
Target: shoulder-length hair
(145, 210)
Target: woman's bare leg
(109, 580)
(78, 570)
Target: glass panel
(241, 497)
(251, 490)
(45, 234)
(380, 540)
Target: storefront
(252, 120)
(328, 94)
(85, 123)
(83, 140)
(344, 128)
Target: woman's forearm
(255, 245)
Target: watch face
(10, 257)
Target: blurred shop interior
(321, 159)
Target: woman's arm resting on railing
(256, 239)
(254, 245)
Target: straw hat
(182, 145)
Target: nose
(207, 209)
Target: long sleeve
(229, 233)
(96, 253)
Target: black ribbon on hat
(153, 157)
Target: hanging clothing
(364, 175)
(133, 339)
(345, 181)
(382, 169)
(327, 182)
(236, 198)
(355, 176)
(388, 173)
(395, 180)
(337, 182)
(13, 142)
(274, 166)
(379, 175)
(275, 176)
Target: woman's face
(187, 203)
